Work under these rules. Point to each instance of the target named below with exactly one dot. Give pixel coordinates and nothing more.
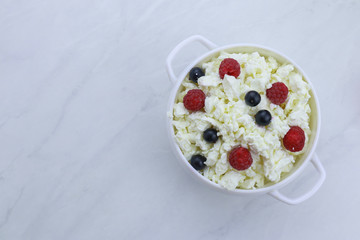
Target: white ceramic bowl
(308, 156)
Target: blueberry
(210, 135)
(195, 74)
(263, 117)
(198, 162)
(252, 98)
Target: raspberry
(230, 67)
(278, 93)
(240, 158)
(194, 100)
(294, 139)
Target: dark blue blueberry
(198, 162)
(263, 117)
(252, 98)
(195, 74)
(210, 135)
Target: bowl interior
(313, 102)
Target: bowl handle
(292, 201)
(172, 54)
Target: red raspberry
(294, 139)
(230, 67)
(194, 100)
(240, 158)
(278, 93)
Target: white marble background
(83, 93)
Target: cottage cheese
(226, 110)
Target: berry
(210, 135)
(240, 158)
(195, 74)
(263, 117)
(252, 98)
(198, 162)
(194, 100)
(230, 67)
(278, 93)
(294, 139)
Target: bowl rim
(207, 181)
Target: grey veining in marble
(83, 92)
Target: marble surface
(83, 92)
